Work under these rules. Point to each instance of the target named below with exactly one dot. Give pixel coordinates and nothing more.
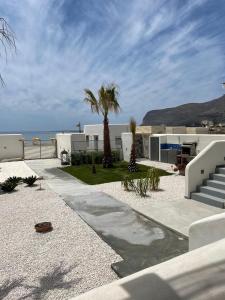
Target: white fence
(11, 147)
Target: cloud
(160, 53)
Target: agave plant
(8, 186)
(30, 180)
(14, 179)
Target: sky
(160, 53)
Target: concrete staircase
(212, 191)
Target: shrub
(14, 179)
(75, 159)
(153, 176)
(142, 186)
(30, 180)
(116, 155)
(128, 183)
(8, 186)
(86, 157)
(98, 157)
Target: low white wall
(176, 129)
(198, 130)
(206, 231)
(203, 164)
(11, 146)
(126, 145)
(195, 275)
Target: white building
(91, 139)
(166, 147)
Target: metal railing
(38, 149)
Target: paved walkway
(140, 242)
(168, 206)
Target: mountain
(189, 114)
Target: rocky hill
(189, 114)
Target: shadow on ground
(53, 280)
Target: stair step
(215, 183)
(213, 191)
(219, 177)
(208, 199)
(220, 170)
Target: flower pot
(43, 227)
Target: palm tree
(107, 102)
(132, 167)
(7, 39)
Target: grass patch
(119, 170)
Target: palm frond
(103, 103)
(91, 100)
(112, 98)
(7, 40)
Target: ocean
(43, 135)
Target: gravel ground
(61, 264)
(15, 168)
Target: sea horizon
(42, 134)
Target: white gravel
(61, 264)
(15, 168)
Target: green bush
(8, 186)
(30, 180)
(128, 183)
(116, 155)
(142, 186)
(86, 157)
(75, 159)
(153, 175)
(98, 157)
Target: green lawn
(84, 173)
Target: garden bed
(119, 170)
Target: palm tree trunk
(132, 167)
(107, 159)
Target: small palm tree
(132, 167)
(107, 102)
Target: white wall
(206, 231)
(176, 129)
(63, 143)
(70, 142)
(198, 130)
(202, 140)
(11, 146)
(126, 145)
(194, 275)
(114, 129)
(203, 164)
